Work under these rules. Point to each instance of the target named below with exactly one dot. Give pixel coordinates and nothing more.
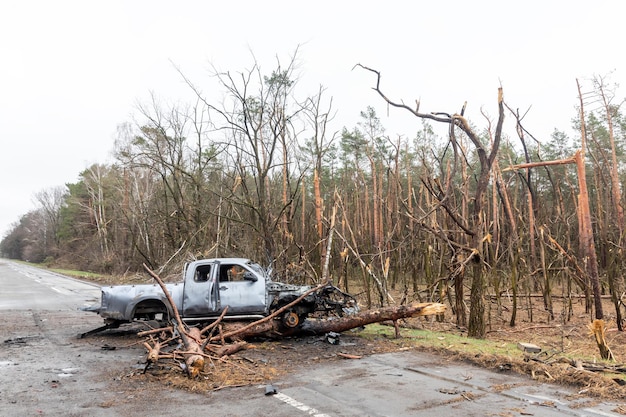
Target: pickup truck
(209, 286)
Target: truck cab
(213, 284)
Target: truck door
(200, 294)
(242, 290)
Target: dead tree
(474, 226)
(587, 247)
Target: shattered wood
(197, 344)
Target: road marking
(61, 291)
(297, 404)
(541, 397)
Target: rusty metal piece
(291, 319)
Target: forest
(493, 223)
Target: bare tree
(606, 96)
(94, 182)
(169, 158)
(51, 200)
(474, 228)
(259, 119)
(587, 244)
(319, 145)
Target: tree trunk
(272, 329)
(598, 329)
(588, 247)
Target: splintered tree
(474, 234)
(587, 246)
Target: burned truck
(209, 286)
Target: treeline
(256, 173)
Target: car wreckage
(209, 286)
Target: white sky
(72, 71)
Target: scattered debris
(193, 347)
(450, 391)
(505, 367)
(22, 340)
(332, 338)
(620, 410)
(348, 356)
(529, 347)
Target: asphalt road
(25, 287)
(46, 371)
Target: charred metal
(241, 287)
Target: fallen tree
(270, 329)
(200, 343)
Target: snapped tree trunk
(272, 328)
(598, 330)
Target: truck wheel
(291, 319)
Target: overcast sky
(72, 71)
